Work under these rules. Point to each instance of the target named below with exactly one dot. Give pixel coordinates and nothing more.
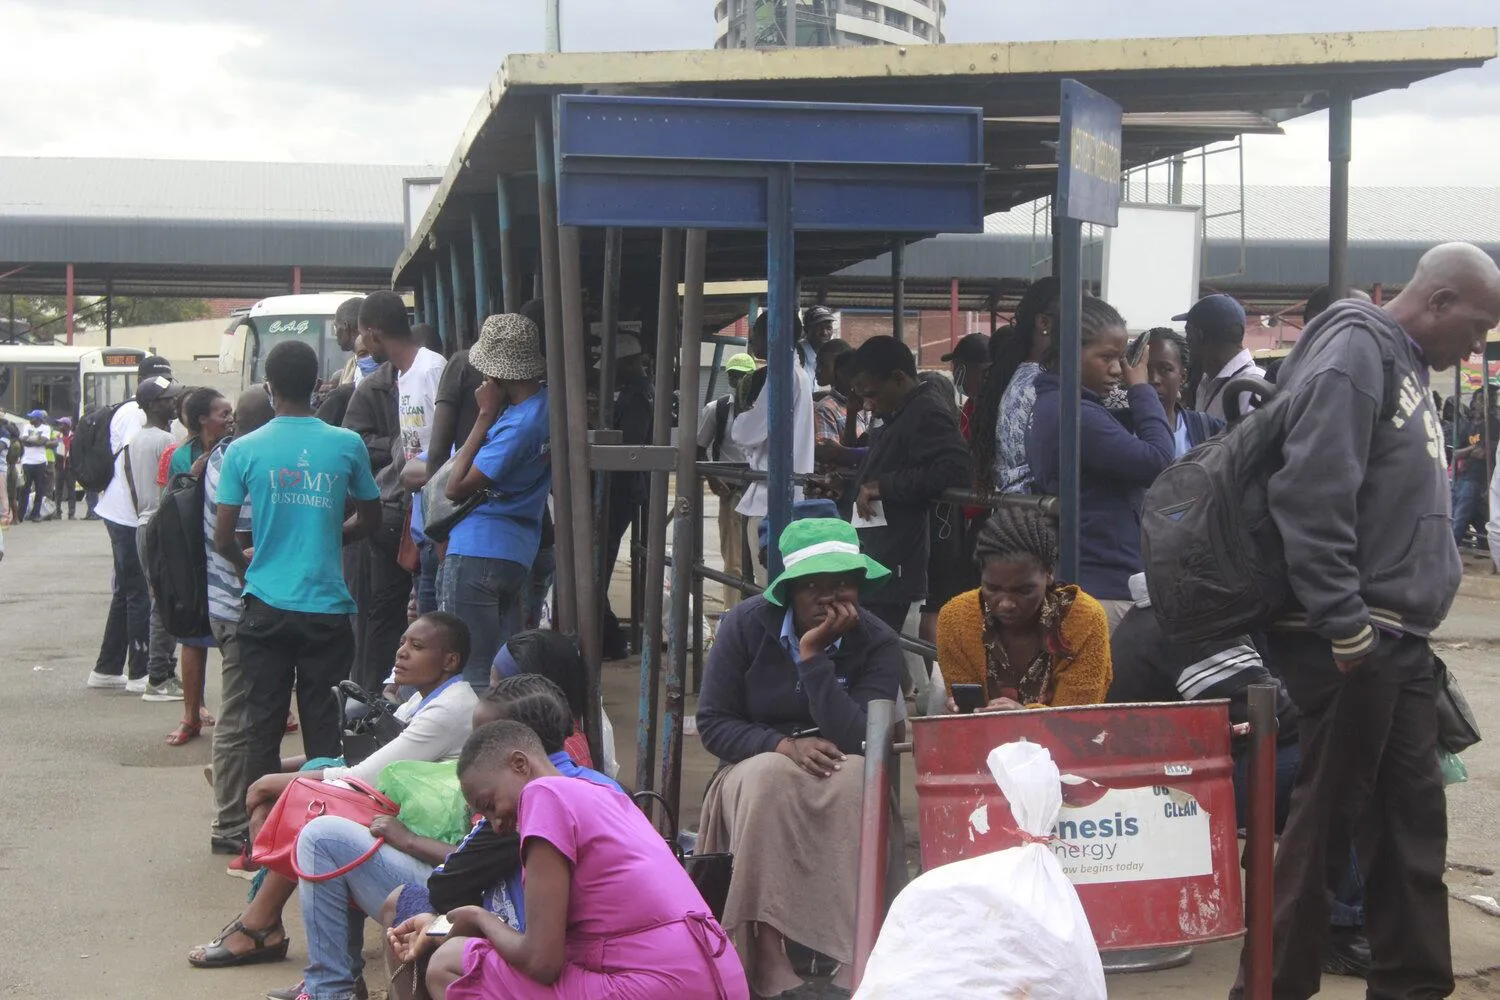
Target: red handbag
(306, 799)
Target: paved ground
(104, 865)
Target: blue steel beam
(444, 303)
(459, 295)
(481, 274)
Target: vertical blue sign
(1088, 152)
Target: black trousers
(382, 600)
(1369, 779)
(281, 650)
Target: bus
(66, 381)
(308, 318)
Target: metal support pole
(575, 361)
(609, 319)
(444, 302)
(688, 517)
(1260, 841)
(898, 290)
(460, 313)
(565, 587)
(430, 312)
(656, 510)
(1340, 145)
(874, 832)
(781, 251)
(953, 315)
(554, 26)
(109, 312)
(791, 24)
(296, 279)
(1179, 167)
(70, 305)
(510, 264)
(1071, 302)
(481, 274)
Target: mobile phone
(441, 927)
(802, 734)
(968, 697)
(1137, 349)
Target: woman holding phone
(1024, 640)
(786, 802)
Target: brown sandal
(183, 733)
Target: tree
(45, 313)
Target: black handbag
(1457, 728)
(441, 515)
(371, 731)
(710, 873)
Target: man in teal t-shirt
(297, 473)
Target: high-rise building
(745, 24)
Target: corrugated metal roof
(1388, 215)
(204, 190)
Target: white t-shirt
(34, 454)
(708, 423)
(751, 431)
(115, 505)
(417, 391)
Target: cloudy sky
(379, 81)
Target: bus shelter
(493, 234)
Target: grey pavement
(104, 865)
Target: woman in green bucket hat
(783, 708)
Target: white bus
(308, 318)
(65, 381)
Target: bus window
(268, 331)
(107, 389)
(52, 389)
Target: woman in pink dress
(609, 912)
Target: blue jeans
(489, 595)
(333, 912)
(543, 569)
(1470, 506)
(427, 578)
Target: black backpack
(176, 558)
(1214, 560)
(91, 461)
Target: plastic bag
(1455, 772)
(1004, 926)
(432, 804)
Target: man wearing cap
(971, 361)
(634, 418)
(1216, 342)
(36, 437)
(817, 327)
(127, 503)
(715, 445)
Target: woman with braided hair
(1116, 462)
(1002, 411)
(1027, 641)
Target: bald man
(1362, 503)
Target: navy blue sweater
(1116, 466)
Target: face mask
(367, 365)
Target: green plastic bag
(1454, 771)
(432, 805)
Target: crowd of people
(390, 528)
(34, 470)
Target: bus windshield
(315, 331)
(107, 389)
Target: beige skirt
(795, 841)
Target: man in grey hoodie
(1362, 505)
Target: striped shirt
(225, 588)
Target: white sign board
(419, 194)
(1134, 835)
(1151, 263)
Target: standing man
(715, 445)
(231, 825)
(1362, 506)
(634, 418)
(1477, 427)
(817, 327)
(913, 456)
(297, 473)
(36, 437)
(157, 397)
(1216, 343)
(67, 486)
(393, 411)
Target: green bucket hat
(817, 545)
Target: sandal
(184, 732)
(215, 955)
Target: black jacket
(913, 457)
(373, 415)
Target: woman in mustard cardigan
(1027, 641)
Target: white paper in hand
(875, 520)
(1005, 926)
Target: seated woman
(609, 911)
(783, 708)
(556, 657)
(1116, 464)
(485, 869)
(431, 659)
(1028, 642)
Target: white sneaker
(136, 685)
(106, 681)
